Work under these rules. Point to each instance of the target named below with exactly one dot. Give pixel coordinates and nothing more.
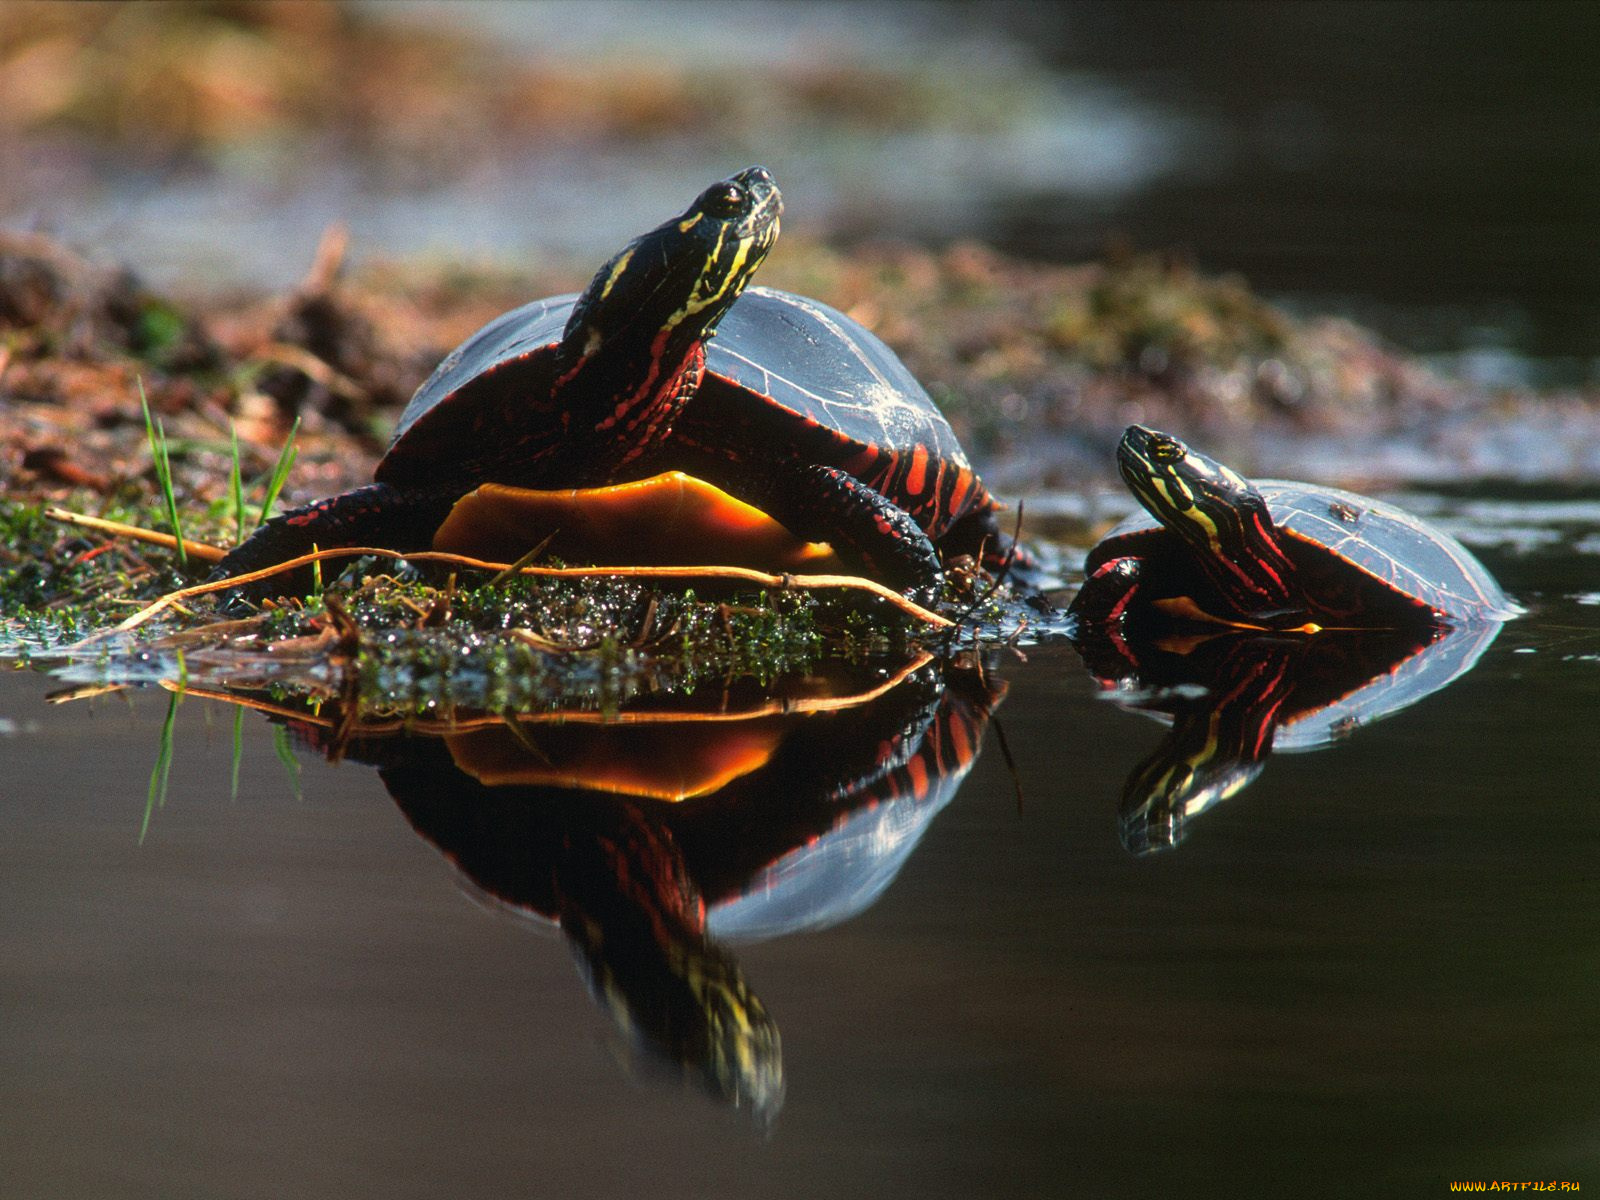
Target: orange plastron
(672, 519)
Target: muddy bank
(1039, 368)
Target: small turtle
(1214, 548)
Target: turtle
(793, 408)
(1214, 549)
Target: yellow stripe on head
(1175, 493)
(1198, 516)
(617, 269)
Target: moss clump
(406, 648)
(58, 584)
(1149, 314)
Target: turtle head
(648, 311)
(1219, 515)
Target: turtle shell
(784, 373)
(1357, 554)
(484, 387)
(830, 391)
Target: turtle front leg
(1099, 608)
(1105, 595)
(377, 515)
(825, 504)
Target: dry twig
(737, 574)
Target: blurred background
(1431, 170)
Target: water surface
(1369, 971)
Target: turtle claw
(234, 605)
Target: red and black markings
(748, 428)
(309, 515)
(1348, 591)
(1107, 593)
(1127, 582)
(1242, 557)
(1256, 698)
(947, 749)
(1263, 552)
(652, 417)
(933, 490)
(641, 398)
(915, 477)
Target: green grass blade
(238, 752)
(156, 797)
(236, 486)
(291, 765)
(155, 433)
(280, 472)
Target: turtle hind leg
(378, 514)
(978, 534)
(825, 504)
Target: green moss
(596, 643)
(56, 586)
(158, 328)
(1144, 311)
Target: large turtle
(795, 409)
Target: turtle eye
(723, 200)
(1167, 450)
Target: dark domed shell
(445, 422)
(1392, 545)
(818, 363)
(823, 382)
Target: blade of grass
(156, 434)
(511, 571)
(159, 774)
(238, 752)
(236, 486)
(280, 472)
(291, 765)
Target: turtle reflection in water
(1262, 615)
(651, 838)
(1234, 699)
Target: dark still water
(1427, 168)
(1369, 971)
